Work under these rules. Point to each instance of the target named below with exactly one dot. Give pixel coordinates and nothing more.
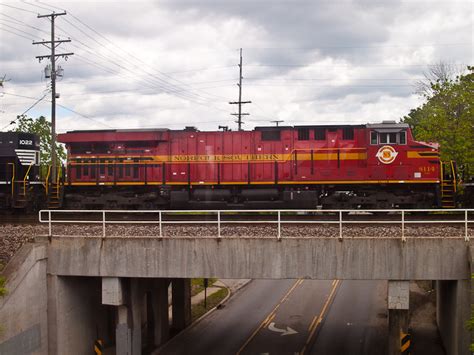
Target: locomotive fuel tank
(260, 194)
(211, 194)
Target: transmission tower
(53, 72)
(240, 102)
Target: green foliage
(197, 285)
(3, 290)
(447, 117)
(42, 127)
(213, 300)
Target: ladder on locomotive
(20, 189)
(448, 184)
(54, 189)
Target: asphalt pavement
(303, 317)
(226, 329)
(357, 323)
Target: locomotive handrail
(453, 171)
(47, 180)
(13, 178)
(26, 177)
(277, 214)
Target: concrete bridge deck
(314, 258)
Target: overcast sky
(173, 63)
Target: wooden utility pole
(240, 102)
(52, 44)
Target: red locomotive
(336, 166)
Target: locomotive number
(26, 142)
(426, 169)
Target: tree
(42, 127)
(447, 117)
(441, 72)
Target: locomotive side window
(86, 168)
(270, 135)
(348, 133)
(127, 169)
(373, 137)
(388, 138)
(303, 134)
(403, 137)
(102, 166)
(320, 134)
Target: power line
(343, 46)
(16, 34)
(18, 8)
(151, 83)
(162, 83)
(18, 22)
(29, 108)
(167, 86)
(62, 106)
(16, 29)
(340, 65)
(41, 7)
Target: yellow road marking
(270, 316)
(318, 319)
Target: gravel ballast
(13, 236)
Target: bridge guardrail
(102, 218)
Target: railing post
(160, 224)
(340, 225)
(103, 224)
(403, 226)
(279, 225)
(466, 236)
(49, 223)
(218, 224)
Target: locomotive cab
(19, 169)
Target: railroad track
(195, 216)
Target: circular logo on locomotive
(386, 154)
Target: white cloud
(174, 63)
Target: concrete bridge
(68, 291)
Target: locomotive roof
(120, 130)
(382, 125)
(391, 124)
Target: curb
(219, 304)
(197, 321)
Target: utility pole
(52, 44)
(240, 102)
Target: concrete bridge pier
(181, 293)
(454, 299)
(398, 317)
(142, 312)
(76, 316)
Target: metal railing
(281, 217)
